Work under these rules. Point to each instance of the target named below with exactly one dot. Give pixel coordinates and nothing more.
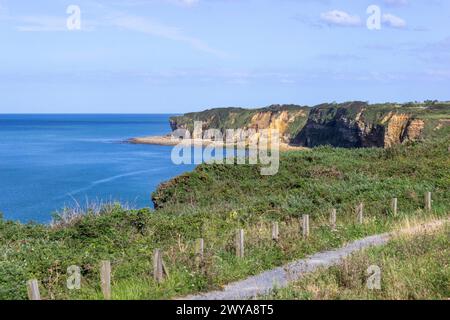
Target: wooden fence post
(360, 213)
(33, 290)
(105, 279)
(157, 266)
(275, 231)
(428, 201)
(333, 219)
(199, 251)
(305, 226)
(394, 206)
(240, 243)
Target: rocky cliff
(288, 119)
(358, 124)
(349, 125)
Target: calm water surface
(49, 161)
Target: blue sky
(173, 56)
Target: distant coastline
(353, 124)
(167, 140)
(154, 140)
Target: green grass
(374, 113)
(212, 202)
(412, 267)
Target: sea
(52, 161)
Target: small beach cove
(168, 140)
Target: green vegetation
(375, 113)
(239, 118)
(374, 118)
(316, 180)
(412, 267)
(212, 202)
(234, 118)
(358, 124)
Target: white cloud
(146, 26)
(186, 2)
(438, 73)
(340, 18)
(393, 21)
(116, 19)
(396, 3)
(41, 23)
(3, 10)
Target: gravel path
(280, 277)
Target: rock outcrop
(402, 128)
(359, 125)
(350, 125)
(288, 119)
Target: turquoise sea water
(49, 161)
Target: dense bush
(212, 202)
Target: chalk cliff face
(288, 119)
(279, 120)
(359, 125)
(349, 125)
(402, 128)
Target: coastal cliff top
(236, 117)
(349, 124)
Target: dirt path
(280, 277)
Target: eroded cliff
(360, 125)
(288, 119)
(350, 125)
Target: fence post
(360, 213)
(157, 266)
(428, 201)
(105, 279)
(275, 231)
(199, 251)
(305, 226)
(33, 290)
(240, 243)
(333, 219)
(394, 206)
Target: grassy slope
(316, 180)
(211, 202)
(412, 267)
